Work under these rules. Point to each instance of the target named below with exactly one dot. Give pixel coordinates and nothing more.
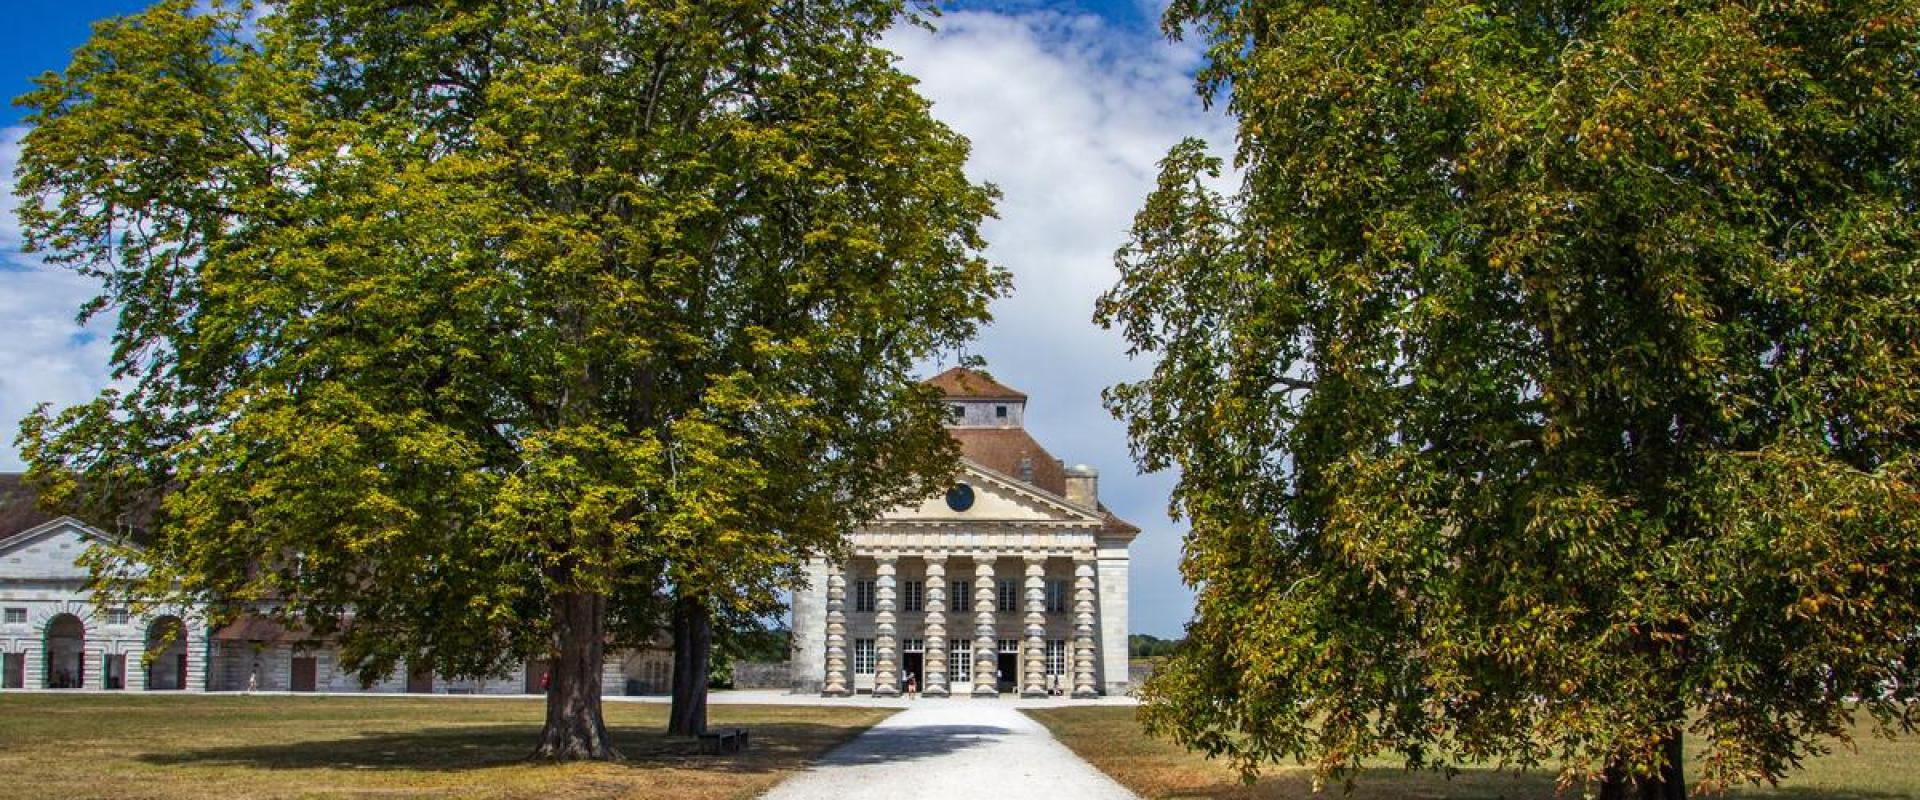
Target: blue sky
(1069, 106)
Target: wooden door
(306, 670)
(113, 670)
(420, 680)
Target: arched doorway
(167, 654)
(66, 652)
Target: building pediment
(995, 499)
(49, 551)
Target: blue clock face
(960, 497)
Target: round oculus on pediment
(960, 497)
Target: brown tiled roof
(251, 628)
(966, 384)
(1003, 449)
(19, 509)
(1115, 523)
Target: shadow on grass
(776, 747)
(1472, 784)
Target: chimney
(1083, 486)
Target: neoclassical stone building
(54, 636)
(1014, 580)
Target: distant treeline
(1141, 645)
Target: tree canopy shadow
(903, 745)
(776, 747)
(1471, 784)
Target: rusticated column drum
(886, 645)
(986, 650)
(1083, 681)
(836, 680)
(935, 665)
(1034, 661)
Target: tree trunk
(1670, 783)
(576, 730)
(692, 652)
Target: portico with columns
(1014, 581)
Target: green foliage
(1142, 645)
(1547, 387)
(746, 640)
(431, 315)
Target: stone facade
(53, 636)
(1015, 581)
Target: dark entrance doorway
(13, 671)
(1009, 672)
(420, 680)
(537, 676)
(66, 653)
(306, 673)
(167, 641)
(910, 665)
(114, 670)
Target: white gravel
(952, 748)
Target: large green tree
(467, 332)
(1545, 388)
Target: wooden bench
(719, 741)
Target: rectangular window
(960, 596)
(1010, 645)
(13, 671)
(913, 645)
(863, 656)
(1000, 412)
(959, 660)
(1056, 656)
(956, 412)
(117, 616)
(914, 595)
(863, 596)
(1009, 595)
(16, 616)
(1056, 597)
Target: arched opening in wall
(167, 654)
(66, 652)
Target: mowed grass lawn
(1109, 737)
(157, 746)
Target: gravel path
(950, 748)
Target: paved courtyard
(975, 748)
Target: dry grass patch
(1109, 737)
(166, 747)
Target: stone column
(836, 681)
(934, 683)
(1034, 665)
(1083, 680)
(807, 651)
(34, 650)
(199, 676)
(886, 647)
(986, 649)
(1112, 591)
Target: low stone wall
(1138, 672)
(761, 675)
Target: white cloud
(1069, 116)
(44, 355)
